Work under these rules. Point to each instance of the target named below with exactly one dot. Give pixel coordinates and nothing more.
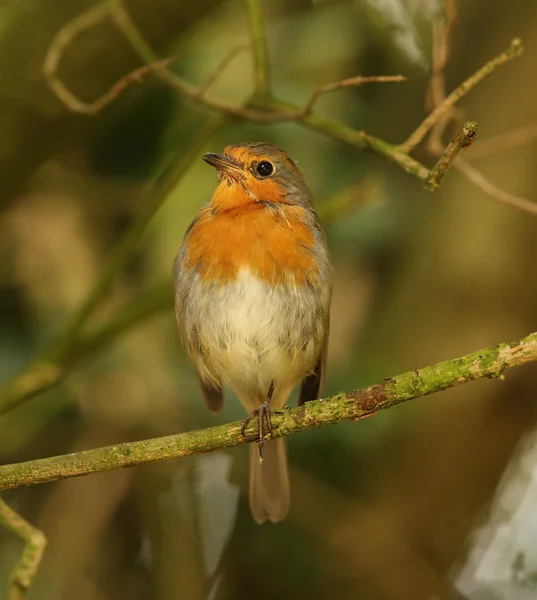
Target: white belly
(248, 334)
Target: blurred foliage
(383, 510)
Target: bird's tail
(269, 481)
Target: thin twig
(57, 48)
(346, 83)
(269, 110)
(505, 141)
(66, 36)
(123, 20)
(514, 50)
(463, 140)
(354, 406)
(35, 543)
(441, 52)
(441, 39)
(197, 95)
(478, 179)
(92, 108)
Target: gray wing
(214, 397)
(313, 383)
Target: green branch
(35, 543)
(260, 51)
(353, 406)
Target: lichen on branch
(353, 406)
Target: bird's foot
(264, 421)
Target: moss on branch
(354, 406)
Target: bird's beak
(222, 163)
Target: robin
(252, 298)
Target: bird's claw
(265, 424)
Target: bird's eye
(264, 168)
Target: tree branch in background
(515, 50)
(265, 109)
(346, 83)
(441, 38)
(441, 53)
(57, 49)
(505, 141)
(478, 179)
(353, 406)
(35, 543)
(51, 368)
(435, 145)
(74, 345)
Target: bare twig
(441, 36)
(92, 108)
(464, 139)
(35, 543)
(197, 95)
(354, 406)
(115, 10)
(514, 50)
(505, 141)
(441, 51)
(269, 110)
(478, 179)
(59, 44)
(346, 83)
(435, 145)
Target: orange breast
(274, 245)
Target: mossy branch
(353, 406)
(464, 140)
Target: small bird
(252, 300)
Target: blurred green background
(400, 506)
